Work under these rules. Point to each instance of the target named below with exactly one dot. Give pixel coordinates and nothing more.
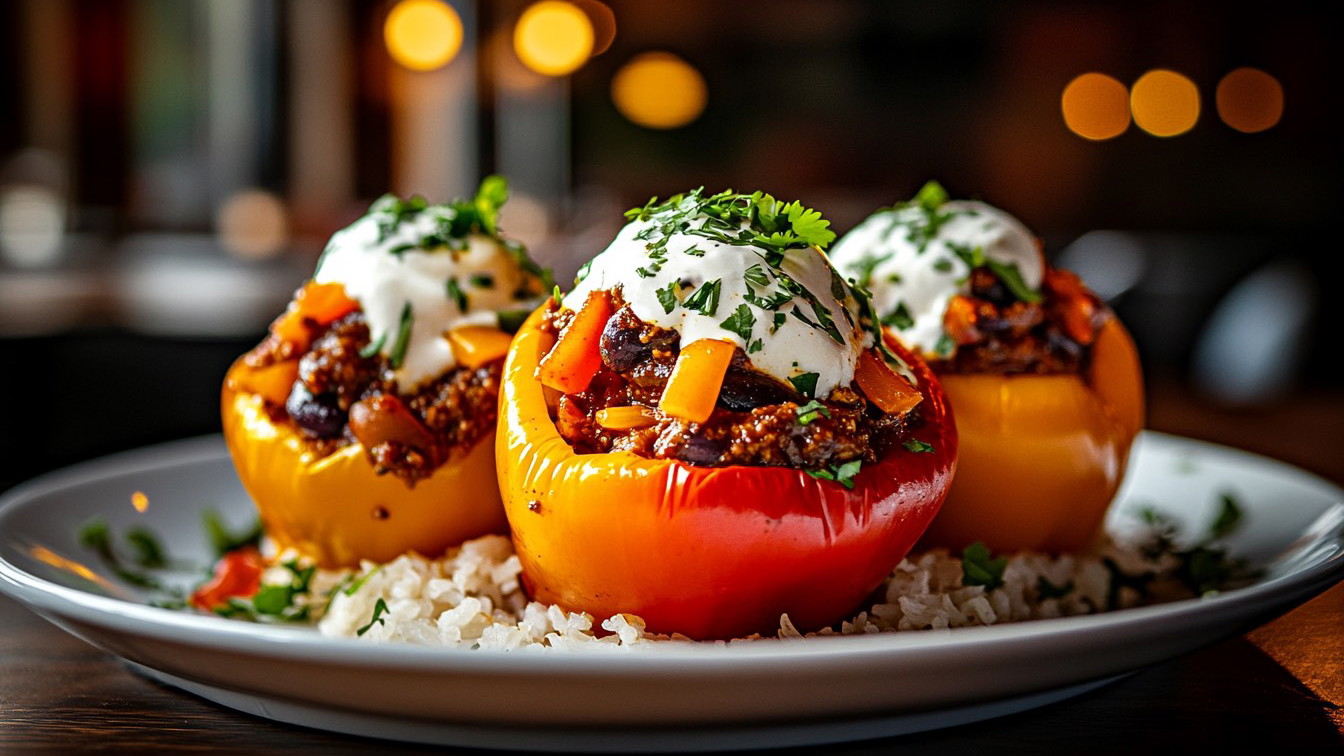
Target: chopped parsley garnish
(756, 275)
(223, 540)
(811, 411)
(977, 568)
(398, 355)
(456, 294)
(482, 280)
(945, 346)
(942, 265)
(512, 320)
(1048, 590)
(778, 321)
(918, 447)
(842, 473)
(705, 299)
(728, 217)
(899, 318)
(1012, 278)
(805, 383)
(274, 602)
(667, 296)
(379, 609)
(1228, 519)
(755, 346)
(740, 322)
(373, 347)
(97, 536)
(864, 268)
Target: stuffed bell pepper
(1044, 379)
(363, 425)
(709, 432)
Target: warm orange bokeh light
(140, 501)
(1164, 103)
(423, 35)
(553, 38)
(659, 90)
(1096, 106)
(1250, 100)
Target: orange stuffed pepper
(1044, 379)
(363, 425)
(708, 432)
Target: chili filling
(342, 397)
(757, 419)
(996, 332)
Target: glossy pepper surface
(1041, 455)
(336, 509)
(709, 552)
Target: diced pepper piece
(883, 386)
(1076, 305)
(321, 303)
(575, 358)
(959, 320)
(693, 388)
(625, 418)
(237, 574)
(477, 345)
(272, 383)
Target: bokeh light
(1249, 100)
(32, 226)
(1164, 103)
(252, 224)
(423, 35)
(1096, 106)
(553, 37)
(604, 24)
(659, 90)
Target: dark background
(1222, 260)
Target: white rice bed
(471, 597)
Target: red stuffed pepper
(708, 431)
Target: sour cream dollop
(915, 258)
(406, 285)
(788, 310)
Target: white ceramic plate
(770, 693)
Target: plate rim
(1268, 597)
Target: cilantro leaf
(1012, 278)
(456, 294)
(398, 355)
(740, 322)
(917, 446)
(667, 296)
(1228, 519)
(811, 411)
(379, 609)
(805, 383)
(705, 299)
(977, 568)
(899, 318)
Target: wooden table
(1280, 688)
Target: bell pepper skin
(335, 509)
(1041, 455)
(708, 552)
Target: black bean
(701, 451)
(319, 416)
(744, 390)
(621, 346)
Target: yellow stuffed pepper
(363, 425)
(1044, 379)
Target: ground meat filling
(756, 420)
(995, 332)
(342, 397)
